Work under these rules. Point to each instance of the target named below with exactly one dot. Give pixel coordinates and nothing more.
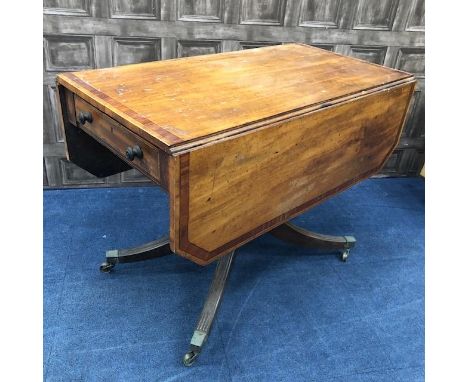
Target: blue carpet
(287, 314)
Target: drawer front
(127, 145)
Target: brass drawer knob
(85, 116)
(132, 152)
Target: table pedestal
(287, 232)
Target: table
(242, 142)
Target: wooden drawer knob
(85, 116)
(132, 152)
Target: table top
(182, 103)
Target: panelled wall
(85, 34)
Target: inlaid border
(203, 257)
(171, 138)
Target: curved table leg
(151, 250)
(215, 294)
(291, 233)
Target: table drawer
(127, 145)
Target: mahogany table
(242, 142)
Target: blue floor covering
(288, 314)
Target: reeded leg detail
(291, 233)
(210, 308)
(151, 250)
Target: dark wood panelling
(375, 54)
(414, 127)
(68, 53)
(330, 48)
(205, 31)
(200, 10)
(72, 174)
(45, 181)
(320, 13)
(375, 14)
(197, 48)
(135, 9)
(393, 163)
(86, 34)
(411, 60)
(262, 12)
(256, 44)
(67, 7)
(133, 176)
(416, 18)
(404, 162)
(134, 50)
(49, 118)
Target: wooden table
(242, 142)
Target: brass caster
(344, 255)
(190, 357)
(106, 267)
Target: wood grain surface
(118, 138)
(82, 149)
(96, 34)
(227, 193)
(245, 141)
(175, 102)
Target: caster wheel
(106, 267)
(344, 256)
(189, 358)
